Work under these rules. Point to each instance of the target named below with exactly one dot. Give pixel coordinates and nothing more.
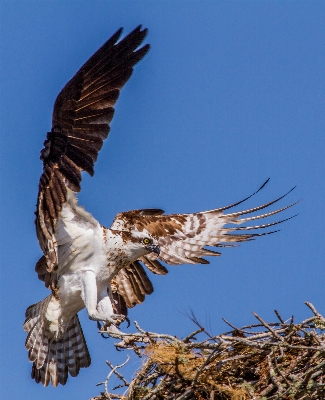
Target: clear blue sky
(230, 94)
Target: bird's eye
(146, 241)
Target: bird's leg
(89, 296)
(105, 307)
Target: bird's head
(136, 244)
(144, 242)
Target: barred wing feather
(82, 114)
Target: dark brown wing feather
(154, 265)
(129, 287)
(49, 278)
(82, 113)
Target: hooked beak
(153, 248)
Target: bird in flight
(85, 264)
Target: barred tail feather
(36, 341)
(66, 355)
(54, 359)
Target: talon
(118, 318)
(102, 328)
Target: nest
(277, 360)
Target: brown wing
(182, 237)
(129, 287)
(82, 113)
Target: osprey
(85, 264)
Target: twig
(273, 376)
(279, 316)
(268, 327)
(192, 335)
(193, 318)
(313, 309)
(209, 359)
(126, 383)
(186, 395)
(105, 383)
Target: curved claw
(102, 331)
(118, 318)
(123, 319)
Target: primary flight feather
(85, 264)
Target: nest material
(277, 360)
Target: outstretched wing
(183, 239)
(82, 113)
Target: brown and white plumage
(85, 264)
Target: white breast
(79, 238)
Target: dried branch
(105, 383)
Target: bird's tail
(53, 358)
